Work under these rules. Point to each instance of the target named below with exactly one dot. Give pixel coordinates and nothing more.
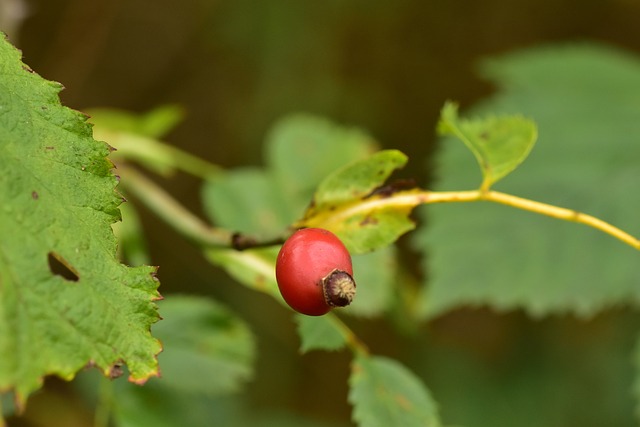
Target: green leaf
(586, 159)
(357, 180)
(384, 393)
(57, 193)
(153, 406)
(202, 339)
(375, 274)
(208, 357)
(136, 137)
(500, 144)
(7, 406)
(302, 149)
(153, 124)
(319, 333)
(347, 204)
(247, 200)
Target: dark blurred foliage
(387, 66)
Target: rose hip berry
(314, 272)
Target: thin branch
(425, 197)
(105, 403)
(562, 213)
(192, 227)
(171, 211)
(408, 199)
(355, 344)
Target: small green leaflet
(356, 180)
(249, 201)
(152, 124)
(300, 151)
(202, 339)
(348, 204)
(58, 202)
(319, 333)
(208, 358)
(384, 393)
(136, 137)
(500, 143)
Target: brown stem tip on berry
(339, 288)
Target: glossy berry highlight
(314, 272)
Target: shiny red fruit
(314, 272)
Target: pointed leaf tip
(499, 143)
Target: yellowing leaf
(353, 203)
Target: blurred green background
(386, 66)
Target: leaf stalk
(412, 198)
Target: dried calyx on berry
(339, 288)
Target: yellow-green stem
(353, 342)
(566, 214)
(105, 402)
(199, 231)
(411, 198)
(537, 207)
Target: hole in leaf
(60, 267)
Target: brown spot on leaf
(369, 220)
(116, 371)
(389, 189)
(403, 402)
(61, 267)
(34, 195)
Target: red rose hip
(314, 272)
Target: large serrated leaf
(586, 159)
(57, 193)
(385, 393)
